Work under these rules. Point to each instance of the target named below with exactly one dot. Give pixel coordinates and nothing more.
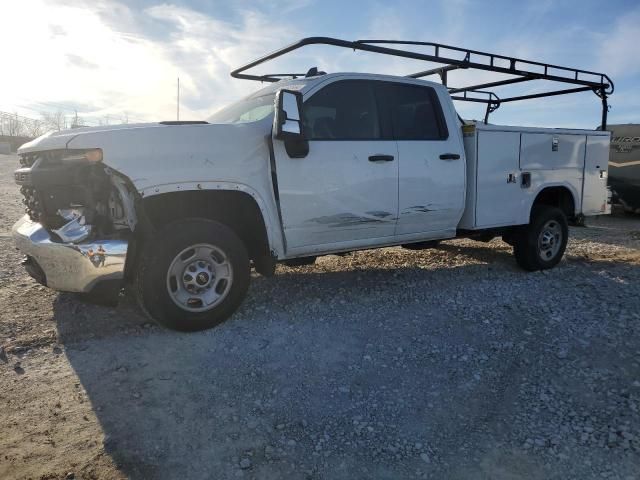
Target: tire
(541, 244)
(194, 277)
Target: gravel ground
(447, 363)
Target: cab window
(343, 110)
(411, 112)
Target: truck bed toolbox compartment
(508, 166)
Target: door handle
(381, 158)
(449, 156)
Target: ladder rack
(520, 69)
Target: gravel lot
(447, 363)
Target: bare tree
(34, 128)
(12, 125)
(76, 121)
(54, 120)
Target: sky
(118, 61)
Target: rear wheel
(541, 244)
(194, 278)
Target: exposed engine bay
(74, 195)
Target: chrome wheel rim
(549, 240)
(199, 278)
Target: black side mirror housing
(288, 123)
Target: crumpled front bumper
(69, 267)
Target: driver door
(344, 192)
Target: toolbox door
(594, 188)
(499, 198)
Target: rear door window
(411, 112)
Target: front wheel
(194, 276)
(541, 244)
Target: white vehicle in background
(310, 165)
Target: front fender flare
(271, 222)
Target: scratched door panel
(431, 166)
(336, 194)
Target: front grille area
(32, 204)
(22, 176)
(48, 185)
(28, 159)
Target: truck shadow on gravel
(376, 373)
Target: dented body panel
(432, 196)
(344, 197)
(70, 267)
(172, 158)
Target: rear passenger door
(431, 165)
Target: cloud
(113, 60)
(618, 48)
(81, 62)
(56, 30)
(129, 76)
(205, 49)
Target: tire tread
(150, 288)
(525, 243)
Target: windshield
(249, 109)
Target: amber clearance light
(93, 156)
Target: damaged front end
(80, 217)
(71, 193)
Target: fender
(274, 233)
(577, 200)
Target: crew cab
(179, 212)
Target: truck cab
(385, 164)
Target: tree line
(14, 125)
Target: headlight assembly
(93, 155)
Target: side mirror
(288, 118)
(287, 123)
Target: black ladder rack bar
(439, 71)
(546, 94)
(494, 68)
(369, 46)
(285, 75)
(492, 101)
(492, 56)
(523, 70)
(490, 85)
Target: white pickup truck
(180, 211)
